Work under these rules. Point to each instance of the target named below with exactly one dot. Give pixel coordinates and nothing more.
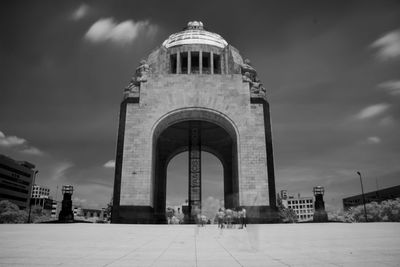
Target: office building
(302, 206)
(16, 179)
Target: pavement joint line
(195, 247)
(228, 252)
(162, 253)
(130, 252)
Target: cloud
(59, 170)
(107, 30)
(19, 144)
(79, 201)
(373, 140)
(80, 12)
(32, 151)
(210, 206)
(109, 164)
(388, 46)
(392, 87)
(387, 121)
(10, 141)
(372, 111)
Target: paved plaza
(330, 244)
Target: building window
(184, 62)
(217, 64)
(206, 63)
(195, 62)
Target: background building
(303, 206)
(378, 196)
(39, 195)
(55, 208)
(16, 180)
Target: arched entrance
(174, 134)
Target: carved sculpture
(140, 76)
(249, 75)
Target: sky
(331, 69)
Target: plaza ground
(330, 244)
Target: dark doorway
(174, 140)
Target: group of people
(230, 218)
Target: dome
(194, 33)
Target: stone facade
(212, 84)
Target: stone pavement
(330, 244)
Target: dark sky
(331, 69)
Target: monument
(66, 215)
(194, 93)
(320, 214)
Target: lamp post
(362, 191)
(30, 200)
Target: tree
(170, 212)
(108, 211)
(286, 215)
(385, 211)
(10, 213)
(39, 215)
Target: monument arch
(216, 136)
(194, 93)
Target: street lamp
(362, 191)
(30, 200)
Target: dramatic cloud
(79, 201)
(107, 29)
(373, 140)
(392, 87)
(388, 46)
(19, 144)
(387, 121)
(80, 12)
(59, 170)
(32, 151)
(109, 164)
(9, 141)
(372, 111)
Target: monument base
(146, 215)
(261, 214)
(133, 214)
(320, 216)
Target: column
(178, 63)
(194, 166)
(189, 62)
(201, 62)
(212, 62)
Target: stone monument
(320, 214)
(66, 215)
(194, 93)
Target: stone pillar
(212, 62)
(194, 169)
(189, 62)
(178, 63)
(201, 62)
(66, 215)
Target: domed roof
(194, 33)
